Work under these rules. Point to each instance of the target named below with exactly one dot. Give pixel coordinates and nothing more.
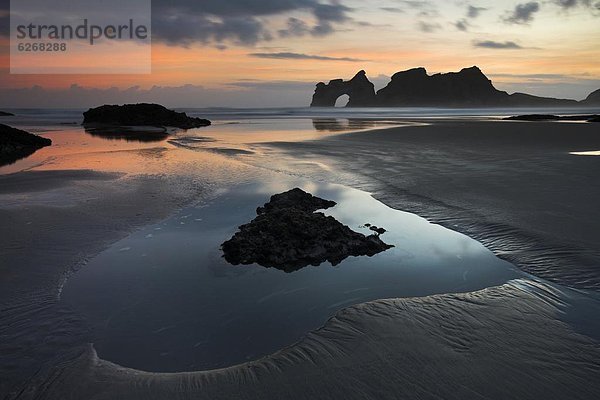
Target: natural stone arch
(359, 89)
(342, 101)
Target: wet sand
(516, 189)
(59, 214)
(502, 342)
(511, 185)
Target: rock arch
(359, 89)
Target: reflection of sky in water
(165, 300)
(142, 152)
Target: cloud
(300, 56)
(523, 13)
(326, 15)
(415, 3)
(567, 3)
(561, 77)
(257, 94)
(428, 26)
(4, 18)
(570, 4)
(462, 25)
(392, 9)
(186, 29)
(295, 27)
(490, 44)
(272, 85)
(243, 22)
(474, 12)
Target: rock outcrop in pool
(288, 234)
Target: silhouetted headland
(550, 117)
(142, 114)
(593, 99)
(415, 88)
(16, 144)
(6, 114)
(289, 235)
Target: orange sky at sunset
(553, 51)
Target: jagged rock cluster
(140, 115)
(16, 144)
(288, 234)
(415, 88)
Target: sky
(271, 53)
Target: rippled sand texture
(502, 342)
(513, 186)
(516, 189)
(80, 198)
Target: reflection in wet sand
(129, 134)
(535, 338)
(348, 125)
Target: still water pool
(164, 299)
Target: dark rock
(360, 90)
(469, 87)
(289, 235)
(377, 230)
(415, 88)
(6, 114)
(298, 199)
(548, 117)
(16, 144)
(527, 100)
(533, 117)
(593, 98)
(594, 119)
(140, 115)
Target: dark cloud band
(300, 56)
(490, 44)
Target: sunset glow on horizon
(551, 49)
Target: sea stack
(142, 114)
(359, 89)
(469, 87)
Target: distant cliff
(415, 88)
(593, 99)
